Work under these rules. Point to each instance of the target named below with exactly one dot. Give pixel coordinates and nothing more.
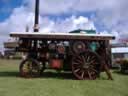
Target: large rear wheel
(86, 65)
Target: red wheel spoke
(77, 66)
(92, 61)
(76, 70)
(88, 58)
(79, 61)
(75, 63)
(83, 59)
(92, 69)
(82, 75)
(93, 57)
(79, 57)
(89, 74)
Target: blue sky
(105, 16)
(6, 8)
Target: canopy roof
(62, 36)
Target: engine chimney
(36, 23)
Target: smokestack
(36, 24)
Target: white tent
(120, 50)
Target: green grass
(54, 84)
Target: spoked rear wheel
(86, 65)
(29, 68)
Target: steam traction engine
(86, 55)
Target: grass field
(54, 84)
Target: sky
(105, 16)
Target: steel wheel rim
(86, 66)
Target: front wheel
(86, 65)
(29, 68)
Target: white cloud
(22, 17)
(66, 6)
(66, 25)
(109, 13)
